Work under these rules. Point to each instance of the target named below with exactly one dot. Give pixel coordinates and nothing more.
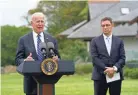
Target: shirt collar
(35, 34)
(110, 37)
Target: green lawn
(12, 84)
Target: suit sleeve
(56, 49)
(96, 61)
(20, 53)
(120, 64)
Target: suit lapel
(46, 38)
(103, 44)
(32, 46)
(113, 45)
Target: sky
(12, 11)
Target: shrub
(83, 68)
(87, 68)
(131, 72)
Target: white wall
(131, 47)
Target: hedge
(87, 69)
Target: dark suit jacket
(101, 58)
(25, 47)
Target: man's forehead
(106, 21)
(38, 18)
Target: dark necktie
(39, 54)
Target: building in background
(125, 17)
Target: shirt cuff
(115, 68)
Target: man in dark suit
(108, 56)
(28, 49)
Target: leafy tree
(9, 40)
(61, 15)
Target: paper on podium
(114, 78)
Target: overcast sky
(11, 11)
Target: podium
(46, 83)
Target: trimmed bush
(87, 69)
(83, 68)
(131, 73)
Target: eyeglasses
(107, 25)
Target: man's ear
(31, 22)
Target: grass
(12, 84)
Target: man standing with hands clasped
(108, 56)
(29, 50)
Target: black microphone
(51, 48)
(43, 48)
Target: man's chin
(105, 32)
(40, 31)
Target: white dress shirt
(35, 39)
(108, 42)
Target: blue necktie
(39, 54)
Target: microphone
(43, 48)
(51, 48)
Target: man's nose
(105, 26)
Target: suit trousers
(101, 87)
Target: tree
(9, 40)
(61, 15)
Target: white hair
(38, 14)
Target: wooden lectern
(46, 83)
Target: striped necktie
(39, 54)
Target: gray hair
(38, 14)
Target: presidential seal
(49, 66)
